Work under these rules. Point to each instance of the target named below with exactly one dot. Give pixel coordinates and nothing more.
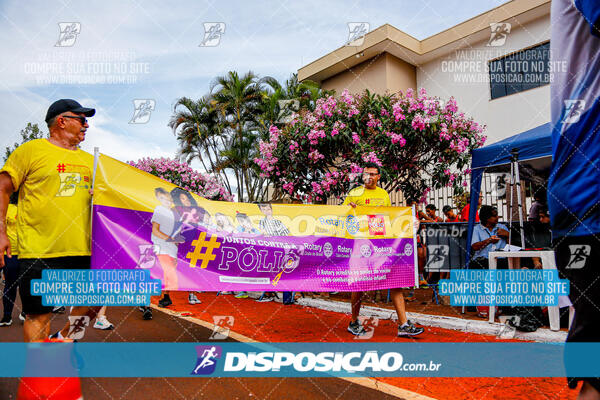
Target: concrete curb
(465, 325)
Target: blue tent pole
(476, 176)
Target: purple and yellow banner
(190, 243)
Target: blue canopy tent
(534, 151)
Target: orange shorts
(169, 266)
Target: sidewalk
(427, 313)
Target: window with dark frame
(523, 70)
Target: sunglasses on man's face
(81, 119)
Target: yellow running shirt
(368, 197)
(11, 228)
(54, 201)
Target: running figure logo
(573, 111)
(357, 32)
(148, 254)
(368, 324)
(432, 105)
(499, 186)
(212, 34)
(222, 326)
(499, 34)
(68, 33)
(77, 326)
(207, 359)
(437, 256)
(200, 244)
(579, 255)
(142, 110)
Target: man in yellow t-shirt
(372, 195)
(53, 177)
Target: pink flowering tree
(420, 143)
(182, 175)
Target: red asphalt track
(274, 322)
(166, 328)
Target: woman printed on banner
(189, 217)
(187, 212)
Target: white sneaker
(102, 323)
(265, 299)
(192, 299)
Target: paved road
(165, 328)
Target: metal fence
(490, 190)
(491, 195)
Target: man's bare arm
(480, 245)
(6, 189)
(503, 233)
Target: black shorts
(31, 268)
(577, 260)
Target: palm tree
(238, 102)
(222, 129)
(306, 92)
(199, 133)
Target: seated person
(542, 234)
(542, 229)
(488, 236)
(537, 205)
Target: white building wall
(464, 75)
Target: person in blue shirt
(574, 183)
(489, 235)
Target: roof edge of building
(413, 50)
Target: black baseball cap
(64, 105)
(446, 209)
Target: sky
(124, 53)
